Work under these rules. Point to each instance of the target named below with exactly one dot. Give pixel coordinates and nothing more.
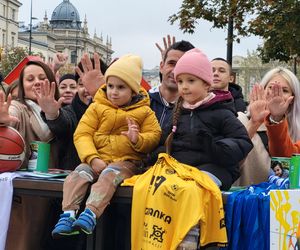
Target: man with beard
(165, 95)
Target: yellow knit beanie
(129, 69)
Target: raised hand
(277, 104)
(133, 131)
(258, 105)
(167, 43)
(60, 59)
(5, 117)
(91, 77)
(46, 100)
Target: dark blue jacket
(163, 110)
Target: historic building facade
(9, 10)
(64, 32)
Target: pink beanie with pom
(196, 63)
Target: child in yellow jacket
(114, 135)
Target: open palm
(91, 76)
(46, 99)
(5, 117)
(258, 104)
(277, 104)
(168, 42)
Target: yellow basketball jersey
(168, 200)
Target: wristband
(275, 122)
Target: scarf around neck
(209, 97)
(45, 134)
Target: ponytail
(176, 115)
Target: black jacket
(211, 138)
(237, 94)
(63, 127)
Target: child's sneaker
(64, 226)
(86, 222)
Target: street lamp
(30, 27)
(75, 26)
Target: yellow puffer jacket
(98, 134)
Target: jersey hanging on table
(168, 200)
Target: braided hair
(176, 115)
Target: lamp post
(30, 27)
(76, 55)
(230, 40)
(295, 63)
(75, 26)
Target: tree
(221, 13)
(218, 12)
(277, 22)
(279, 25)
(12, 57)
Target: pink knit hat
(196, 63)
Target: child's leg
(76, 186)
(103, 190)
(74, 191)
(190, 241)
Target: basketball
(12, 149)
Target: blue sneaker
(85, 222)
(64, 226)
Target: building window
(13, 15)
(3, 10)
(73, 57)
(12, 41)
(3, 40)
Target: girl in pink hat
(205, 132)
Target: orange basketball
(12, 149)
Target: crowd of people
(197, 115)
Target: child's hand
(98, 165)
(133, 131)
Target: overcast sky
(135, 25)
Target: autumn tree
(12, 57)
(277, 22)
(218, 13)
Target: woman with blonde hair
(265, 136)
(277, 103)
